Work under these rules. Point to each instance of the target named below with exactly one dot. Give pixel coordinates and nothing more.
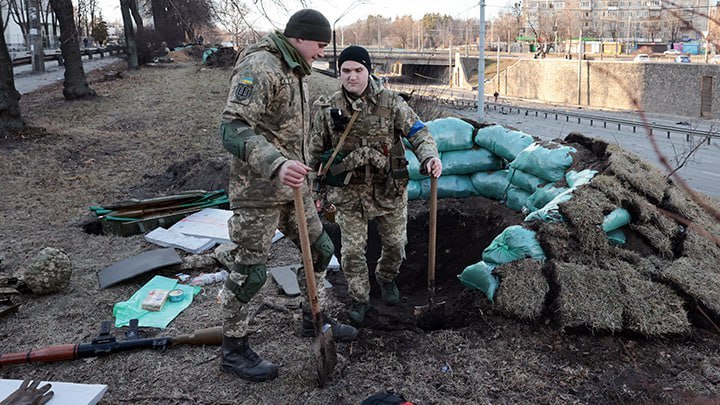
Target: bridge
(431, 65)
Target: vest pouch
(337, 179)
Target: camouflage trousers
(392, 227)
(252, 230)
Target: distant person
(200, 40)
(265, 126)
(372, 175)
(85, 42)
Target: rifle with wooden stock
(105, 344)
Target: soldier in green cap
(265, 126)
(367, 124)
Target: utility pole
(497, 74)
(481, 65)
(38, 55)
(580, 57)
(707, 32)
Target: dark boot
(357, 311)
(389, 292)
(341, 332)
(238, 358)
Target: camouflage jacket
(272, 99)
(384, 119)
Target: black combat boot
(341, 332)
(390, 293)
(357, 311)
(238, 358)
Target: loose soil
(141, 137)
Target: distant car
(682, 59)
(671, 52)
(641, 57)
(715, 59)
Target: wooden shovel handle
(433, 231)
(307, 256)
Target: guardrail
(462, 99)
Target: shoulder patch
(244, 88)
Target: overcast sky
(358, 10)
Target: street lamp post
(343, 14)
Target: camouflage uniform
(377, 187)
(271, 98)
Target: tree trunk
(132, 58)
(136, 15)
(10, 118)
(75, 84)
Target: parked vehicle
(671, 52)
(682, 59)
(715, 59)
(641, 57)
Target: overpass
(418, 65)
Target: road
(27, 81)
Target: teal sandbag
(542, 196)
(491, 184)
(514, 243)
(616, 237)
(548, 160)
(516, 198)
(451, 133)
(551, 211)
(470, 161)
(479, 277)
(455, 186)
(414, 189)
(526, 181)
(616, 219)
(503, 142)
(577, 179)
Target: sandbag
(577, 179)
(414, 190)
(479, 277)
(548, 160)
(542, 196)
(516, 198)
(514, 243)
(491, 184)
(503, 142)
(616, 220)
(616, 237)
(454, 186)
(470, 161)
(526, 181)
(551, 211)
(451, 133)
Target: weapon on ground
(105, 343)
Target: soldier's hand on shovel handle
(292, 173)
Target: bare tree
(231, 16)
(10, 117)
(125, 6)
(20, 13)
(402, 31)
(75, 85)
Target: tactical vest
(375, 128)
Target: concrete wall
(666, 88)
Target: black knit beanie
(356, 54)
(308, 24)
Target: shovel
(324, 346)
(431, 315)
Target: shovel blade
(325, 355)
(431, 316)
